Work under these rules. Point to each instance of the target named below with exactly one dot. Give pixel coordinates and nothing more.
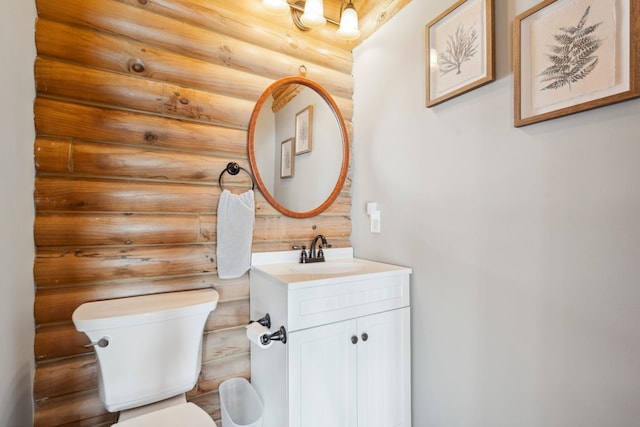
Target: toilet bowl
(149, 354)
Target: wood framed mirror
(316, 162)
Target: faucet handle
(303, 253)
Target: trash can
(239, 404)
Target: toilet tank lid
(186, 414)
(143, 309)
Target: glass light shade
(276, 7)
(313, 16)
(349, 24)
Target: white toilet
(149, 355)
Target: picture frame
(605, 69)
(286, 158)
(460, 50)
(304, 130)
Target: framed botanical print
(286, 158)
(304, 130)
(574, 55)
(460, 50)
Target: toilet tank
(154, 344)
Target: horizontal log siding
(139, 108)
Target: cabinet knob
(365, 336)
(354, 339)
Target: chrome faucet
(314, 256)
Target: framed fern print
(574, 55)
(460, 50)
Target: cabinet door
(384, 370)
(322, 376)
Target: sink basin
(340, 267)
(327, 268)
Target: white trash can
(239, 404)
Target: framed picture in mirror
(304, 130)
(574, 55)
(286, 158)
(460, 50)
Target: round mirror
(298, 147)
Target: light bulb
(276, 7)
(349, 23)
(313, 16)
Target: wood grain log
(87, 265)
(240, 19)
(280, 228)
(65, 376)
(56, 304)
(58, 118)
(107, 52)
(59, 340)
(213, 373)
(52, 155)
(210, 402)
(89, 229)
(96, 229)
(53, 193)
(72, 409)
(341, 206)
(224, 343)
(75, 82)
(232, 289)
(93, 195)
(64, 155)
(113, 53)
(57, 155)
(280, 29)
(146, 27)
(228, 315)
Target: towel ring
(233, 169)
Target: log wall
(140, 105)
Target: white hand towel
(236, 220)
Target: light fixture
(349, 23)
(313, 16)
(309, 14)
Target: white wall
(17, 50)
(525, 243)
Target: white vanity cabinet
(334, 381)
(346, 362)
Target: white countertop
(340, 266)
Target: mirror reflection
(298, 147)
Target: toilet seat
(185, 414)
